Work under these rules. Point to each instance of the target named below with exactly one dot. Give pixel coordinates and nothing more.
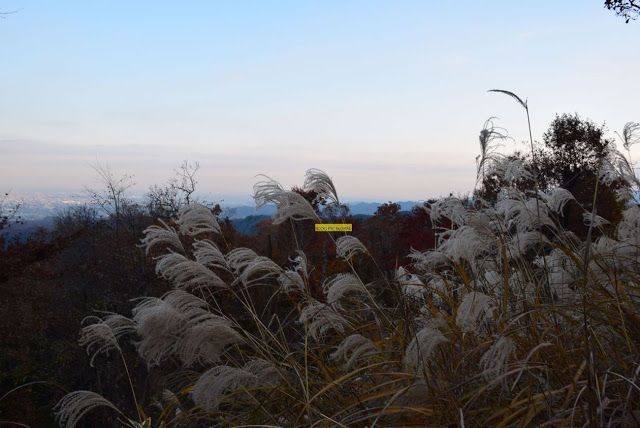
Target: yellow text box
(334, 227)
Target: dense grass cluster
(510, 319)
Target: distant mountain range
(355, 208)
(40, 212)
(37, 206)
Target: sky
(388, 97)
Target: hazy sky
(387, 97)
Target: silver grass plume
(239, 258)
(494, 361)
(319, 182)
(341, 284)
(211, 387)
(493, 280)
(101, 336)
(267, 191)
(488, 135)
(156, 235)
(180, 324)
(510, 169)
(522, 242)
(428, 260)
(630, 134)
(352, 349)
(439, 288)
(422, 346)
(290, 205)
(562, 273)
(294, 206)
(266, 372)
(159, 326)
(205, 340)
(291, 281)
(208, 254)
(557, 198)
(617, 168)
(450, 208)
(465, 243)
(410, 284)
(186, 273)
(475, 309)
(524, 214)
(195, 219)
(320, 318)
(629, 226)
(73, 406)
(261, 265)
(348, 246)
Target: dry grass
(510, 321)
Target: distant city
(40, 205)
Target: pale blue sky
(387, 97)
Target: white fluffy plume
(494, 360)
(258, 269)
(352, 349)
(195, 219)
(73, 406)
(290, 205)
(524, 214)
(426, 261)
(422, 346)
(318, 181)
(522, 242)
(156, 235)
(205, 339)
(475, 308)
(410, 284)
(320, 318)
(208, 254)
(348, 246)
(210, 389)
(510, 169)
(266, 372)
(180, 324)
(557, 198)
(186, 273)
(239, 258)
(450, 208)
(465, 243)
(341, 284)
(291, 281)
(101, 335)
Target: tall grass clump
(511, 321)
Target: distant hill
(22, 231)
(244, 218)
(369, 208)
(247, 225)
(355, 208)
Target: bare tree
(165, 201)
(111, 197)
(185, 180)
